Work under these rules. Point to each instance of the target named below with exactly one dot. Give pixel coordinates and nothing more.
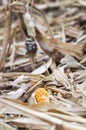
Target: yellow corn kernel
(40, 95)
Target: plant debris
(43, 65)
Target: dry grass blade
(53, 46)
(29, 112)
(69, 118)
(17, 74)
(44, 18)
(7, 31)
(4, 126)
(29, 123)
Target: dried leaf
(43, 68)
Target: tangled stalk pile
(43, 65)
